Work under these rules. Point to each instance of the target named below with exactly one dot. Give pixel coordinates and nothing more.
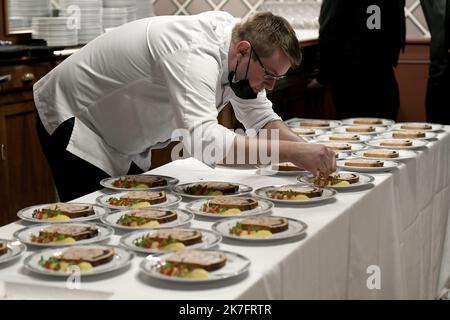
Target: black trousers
(438, 96)
(365, 89)
(73, 176)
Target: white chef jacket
(130, 88)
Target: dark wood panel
(30, 181)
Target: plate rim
(423, 142)
(385, 159)
(182, 280)
(386, 129)
(182, 194)
(103, 219)
(390, 121)
(439, 126)
(333, 193)
(28, 266)
(10, 242)
(110, 232)
(157, 252)
(302, 223)
(169, 183)
(157, 205)
(337, 122)
(350, 186)
(364, 136)
(434, 135)
(20, 213)
(188, 208)
(369, 169)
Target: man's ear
(243, 48)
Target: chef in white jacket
(133, 89)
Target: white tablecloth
(399, 226)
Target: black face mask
(242, 88)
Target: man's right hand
(316, 158)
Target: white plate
(402, 155)
(122, 258)
(27, 214)
(179, 189)
(209, 239)
(295, 123)
(236, 265)
(317, 132)
(183, 217)
(269, 171)
(388, 166)
(428, 135)
(434, 126)
(15, 249)
(326, 138)
(326, 194)
(196, 208)
(415, 144)
(343, 129)
(364, 180)
(385, 122)
(354, 146)
(24, 235)
(171, 200)
(108, 183)
(296, 228)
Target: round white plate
(27, 214)
(388, 166)
(343, 129)
(269, 171)
(326, 194)
(183, 217)
(415, 144)
(236, 265)
(24, 235)
(108, 183)
(122, 258)
(196, 208)
(402, 155)
(296, 228)
(171, 200)
(295, 123)
(317, 132)
(343, 155)
(326, 138)
(15, 249)
(354, 146)
(364, 180)
(385, 122)
(428, 135)
(179, 189)
(434, 126)
(209, 239)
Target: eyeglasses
(267, 74)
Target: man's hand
(316, 158)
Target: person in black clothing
(437, 103)
(360, 42)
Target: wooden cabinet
(25, 178)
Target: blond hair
(267, 32)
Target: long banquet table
(399, 226)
